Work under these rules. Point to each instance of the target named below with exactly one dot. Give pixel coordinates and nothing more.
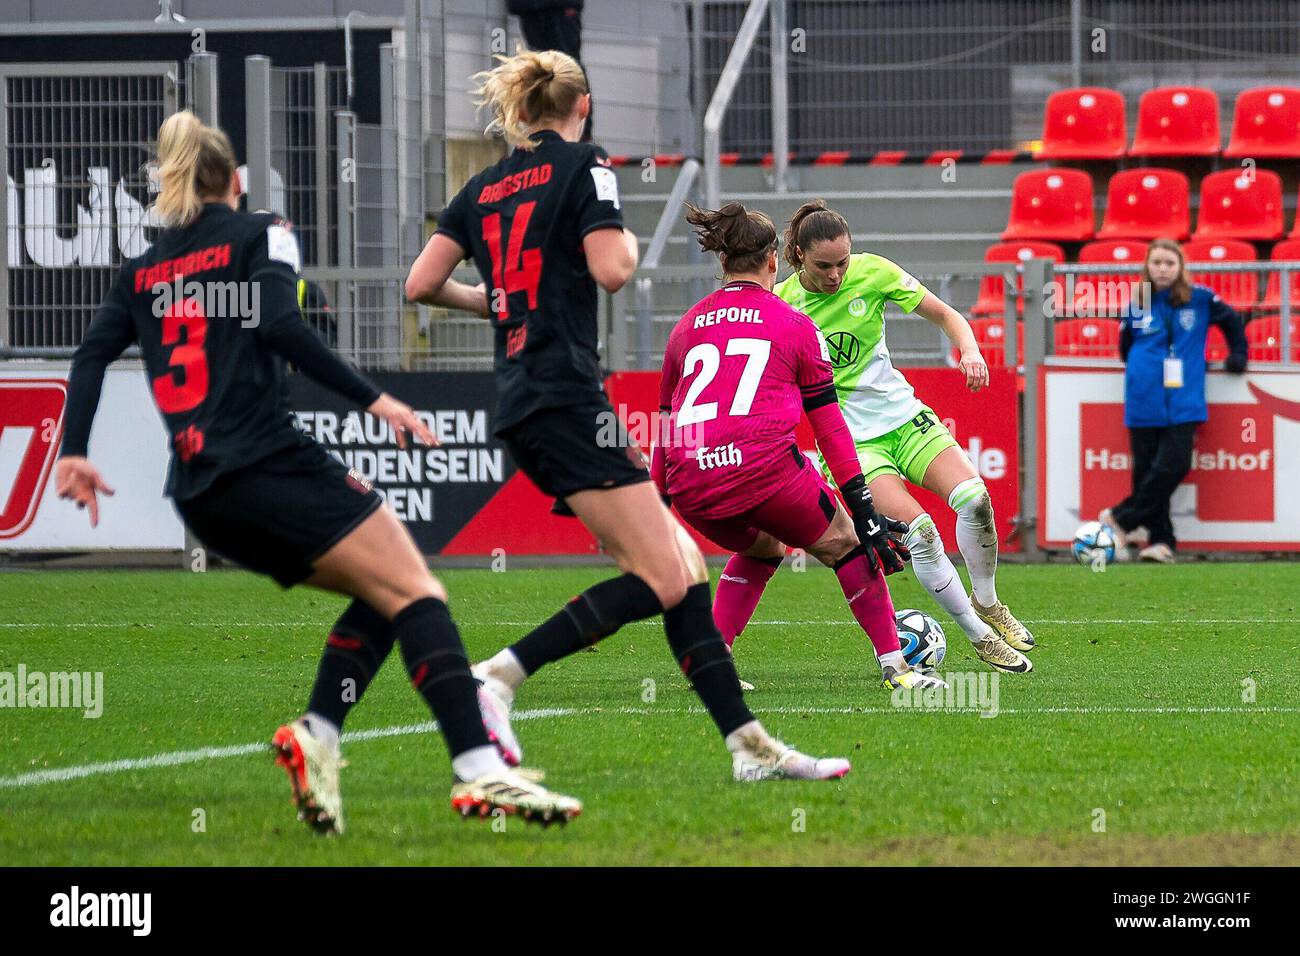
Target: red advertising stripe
(832, 158)
(887, 157)
(1000, 157)
(939, 155)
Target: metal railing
(1206, 273)
(951, 74)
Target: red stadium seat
(1239, 289)
(1177, 121)
(1264, 339)
(1216, 346)
(1089, 338)
(1240, 204)
(990, 336)
(1266, 124)
(1146, 203)
(1051, 204)
(1107, 293)
(1084, 123)
(1287, 250)
(992, 297)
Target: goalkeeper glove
(874, 528)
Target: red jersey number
(520, 270)
(187, 357)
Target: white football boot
(313, 769)
(758, 756)
(516, 792)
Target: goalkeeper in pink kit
(739, 369)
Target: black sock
(705, 660)
(354, 651)
(595, 613)
(435, 659)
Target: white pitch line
(177, 757)
(37, 778)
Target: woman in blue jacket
(1163, 345)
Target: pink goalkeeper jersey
(736, 368)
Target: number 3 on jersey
(188, 357)
(707, 359)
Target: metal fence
(304, 154)
(637, 53)
(75, 144)
(951, 74)
(77, 139)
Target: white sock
(938, 576)
(505, 667)
(977, 537)
(744, 735)
(326, 731)
(894, 659)
(477, 762)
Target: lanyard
(1169, 330)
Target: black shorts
(279, 515)
(575, 448)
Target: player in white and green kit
(899, 439)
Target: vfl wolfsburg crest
(858, 307)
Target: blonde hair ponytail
(529, 88)
(194, 161)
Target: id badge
(1173, 372)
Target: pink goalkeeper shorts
(797, 515)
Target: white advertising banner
(1240, 493)
(128, 445)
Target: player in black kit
(544, 226)
(213, 306)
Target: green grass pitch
(1139, 717)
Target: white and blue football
(922, 639)
(1094, 543)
